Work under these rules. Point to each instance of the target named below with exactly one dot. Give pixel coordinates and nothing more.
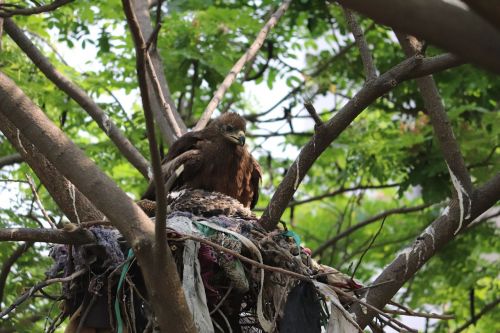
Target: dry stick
(409, 312)
(245, 259)
(77, 237)
(39, 286)
(443, 132)
(406, 70)
(419, 314)
(162, 250)
(78, 95)
(39, 203)
(4, 12)
(364, 50)
(332, 241)
(355, 299)
(248, 56)
(10, 159)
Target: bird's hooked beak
(241, 138)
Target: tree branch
(488, 9)
(336, 125)
(6, 12)
(430, 241)
(10, 159)
(364, 50)
(8, 263)
(248, 56)
(70, 200)
(141, 9)
(442, 130)
(78, 95)
(162, 280)
(487, 308)
(56, 236)
(438, 21)
(332, 241)
(141, 49)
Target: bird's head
(232, 127)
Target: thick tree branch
(433, 239)
(248, 56)
(415, 66)
(488, 9)
(162, 280)
(8, 263)
(10, 159)
(78, 95)
(364, 50)
(70, 200)
(332, 241)
(141, 9)
(6, 11)
(440, 22)
(442, 130)
(55, 236)
(141, 50)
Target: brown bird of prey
(222, 162)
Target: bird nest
(236, 276)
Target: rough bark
(70, 200)
(141, 8)
(439, 22)
(162, 280)
(329, 131)
(76, 93)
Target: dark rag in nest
(302, 310)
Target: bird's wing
(188, 142)
(255, 181)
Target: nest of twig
(236, 277)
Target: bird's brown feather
(222, 166)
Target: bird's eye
(229, 128)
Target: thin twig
(243, 258)
(39, 286)
(5, 12)
(371, 307)
(403, 210)
(368, 248)
(248, 56)
(39, 203)
(420, 314)
(222, 300)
